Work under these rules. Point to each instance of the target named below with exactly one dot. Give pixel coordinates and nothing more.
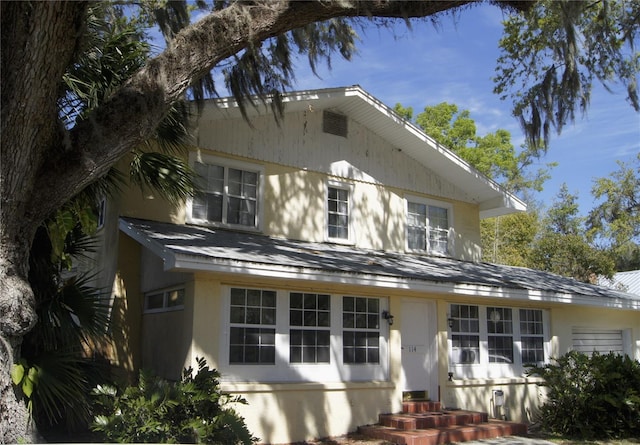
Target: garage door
(603, 341)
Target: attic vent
(334, 123)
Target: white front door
(419, 346)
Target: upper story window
(428, 226)
(229, 194)
(339, 212)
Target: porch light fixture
(450, 322)
(387, 316)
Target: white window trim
(485, 369)
(350, 188)
(229, 163)
(165, 301)
(282, 370)
(430, 202)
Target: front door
(419, 346)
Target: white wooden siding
(299, 142)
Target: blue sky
(455, 63)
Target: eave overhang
(197, 249)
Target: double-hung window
(361, 330)
(428, 226)
(310, 321)
(227, 194)
(338, 212)
(531, 336)
(465, 334)
(500, 334)
(252, 316)
(294, 336)
(497, 340)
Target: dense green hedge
(193, 410)
(591, 397)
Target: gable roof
(359, 105)
(192, 248)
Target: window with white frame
(281, 335)
(309, 342)
(532, 336)
(252, 316)
(428, 226)
(227, 194)
(164, 300)
(493, 335)
(361, 330)
(465, 334)
(338, 212)
(500, 334)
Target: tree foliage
(509, 239)
(562, 246)
(73, 318)
(492, 154)
(552, 54)
(615, 221)
(193, 410)
(55, 373)
(591, 397)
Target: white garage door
(603, 341)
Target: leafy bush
(591, 397)
(193, 410)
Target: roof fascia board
(193, 263)
(505, 202)
(501, 205)
(167, 256)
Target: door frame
(431, 359)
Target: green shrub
(591, 397)
(193, 410)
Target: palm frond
(62, 392)
(76, 316)
(169, 175)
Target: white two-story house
(331, 263)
